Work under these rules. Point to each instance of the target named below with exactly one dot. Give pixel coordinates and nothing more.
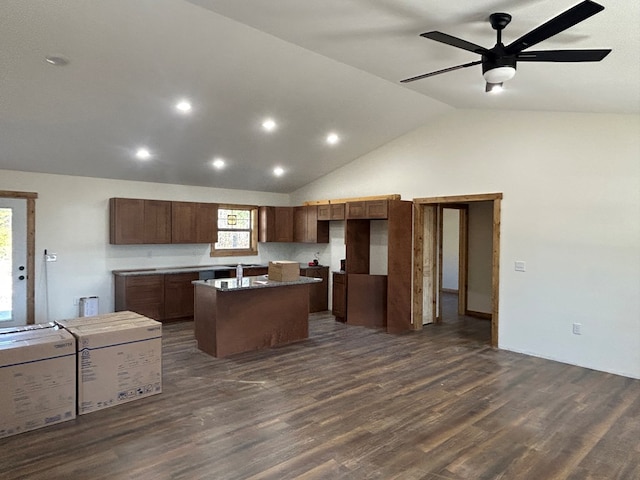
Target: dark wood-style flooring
(352, 403)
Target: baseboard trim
(482, 315)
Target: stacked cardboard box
(119, 359)
(38, 378)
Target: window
(237, 231)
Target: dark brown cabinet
(178, 295)
(275, 224)
(251, 271)
(318, 292)
(324, 212)
(159, 296)
(339, 293)
(193, 222)
(143, 294)
(307, 228)
(138, 221)
(374, 300)
(369, 209)
(333, 211)
(337, 211)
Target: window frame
(253, 249)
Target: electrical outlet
(520, 266)
(577, 329)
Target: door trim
(31, 248)
(426, 204)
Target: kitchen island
(255, 313)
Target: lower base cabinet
(170, 296)
(339, 303)
(318, 292)
(161, 297)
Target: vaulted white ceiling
(314, 67)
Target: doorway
(428, 275)
(17, 248)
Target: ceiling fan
(499, 62)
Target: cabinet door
(299, 225)
(324, 212)
(178, 295)
(206, 223)
(337, 211)
(307, 228)
(318, 292)
(339, 303)
(376, 208)
(143, 294)
(183, 222)
(275, 224)
(283, 224)
(193, 222)
(356, 210)
(126, 217)
(157, 221)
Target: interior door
(13, 262)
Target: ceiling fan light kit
(499, 63)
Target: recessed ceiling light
(218, 163)
(183, 106)
(143, 154)
(278, 171)
(333, 138)
(57, 60)
(269, 125)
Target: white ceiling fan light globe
(499, 74)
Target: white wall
(571, 210)
(450, 248)
(72, 220)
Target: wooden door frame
(426, 231)
(31, 247)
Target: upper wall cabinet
(138, 221)
(307, 228)
(369, 209)
(276, 224)
(333, 211)
(193, 222)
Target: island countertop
(250, 283)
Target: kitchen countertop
(200, 268)
(250, 283)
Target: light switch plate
(520, 266)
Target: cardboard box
(26, 328)
(284, 271)
(38, 379)
(118, 361)
(104, 318)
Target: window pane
(233, 240)
(234, 219)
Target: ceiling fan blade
(563, 56)
(450, 69)
(569, 18)
(456, 42)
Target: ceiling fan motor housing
(498, 69)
